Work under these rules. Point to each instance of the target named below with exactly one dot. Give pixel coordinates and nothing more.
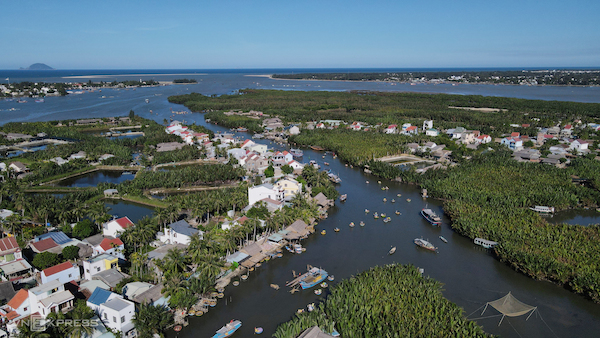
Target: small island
(38, 66)
(177, 81)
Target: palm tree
(152, 320)
(25, 331)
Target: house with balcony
(98, 264)
(289, 186)
(515, 144)
(111, 246)
(50, 297)
(114, 311)
(179, 232)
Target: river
(470, 274)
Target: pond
(134, 211)
(92, 179)
(578, 216)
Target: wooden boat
(274, 286)
(317, 148)
(397, 212)
(382, 215)
(258, 330)
(318, 292)
(393, 200)
(323, 232)
(443, 239)
(336, 229)
(375, 215)
(244, 277)
(323, 285)
(424, 244)
(362, 224)
(408, 200)
(343, 197)
(351, 224)
(385, 199)
(392, 250)
(399, 195)
(330, 278)
(228, 329)
(367, 182)
(236, 283)
(311, 278)
(366, 211)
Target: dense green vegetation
(545, 77)
(234, 121)
(390, 301)
(185, 81)
(389, 108)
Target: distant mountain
(38, 66)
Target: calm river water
(471, 276)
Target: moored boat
(313, 277)
(298, 248)
(343, 197)
(431, 217)
(317, 148)
(323, 232)
(392, 250)
(362, 224)
(424, 244)
(296, 152)
(228, 329)
(443, 239)
(397, 212)
(375, 215)
(39, 100)
(351, 224)
(336, 229)
(333, 177)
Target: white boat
(392, 250)
(443, 239)
(425, 244)
(485, 243)
(343, 197)
(298, 248)
(543, 209)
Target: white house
(512, 143)
(281, 158)
(266, 190)
(18, 307)
(50, 297)
(247, 144)
(412, 130)
(238, 153)
(427, 124)
(579, 145)
(483, 139)
(296, 165)
(110, 246)
(114, 311)
(64, 273)
(432, 132)
(98, 264)
(179, 232)
(259, 148)
(391, 129)
(116, 226)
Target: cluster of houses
(93, 277)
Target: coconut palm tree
(152, 320)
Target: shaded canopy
(510, 306)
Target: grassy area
(143, 200)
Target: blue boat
(228, 329)
(313, 277)
(431, 217)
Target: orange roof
(12, 315)
(514, 134)
(44, 244)
(18, 299)
(124, 222)
(106, 243)
(57, 268)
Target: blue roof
(100, 296)
(58, 236)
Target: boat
(431, 217)
(375, 215)
(443, 239)
(310, 307)
(392, 250)
(147, 100)
(259, 136)
(296, 152)
(393, 200)
(242, 129)
(397, 212)
(343, 197)
(228, 329)
(385, 199)
(366, 211)
(543, 209)
(362, 224)
(313, 277)
(21, 101)
(485, 243)
(330, 278)
(351, 224)
(274, 286)
(425, 244)
(289, 248)
(314, 164)
(382, 215)
(333, 177)
(177, 328)
(298, 248)
(323, 232)
(258, 330)
(387, 220)
(367, 182)
(318, 292)
(336, 229)
(244, 277)
(324, 285)
(399, 195)
(317, 148)
(236, 283)
(39, 100)
(408, 200)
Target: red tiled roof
(285, 152)
(12, 315)
(44, 244)
(272, 201)
(392, 126)
(18, 299)
(124, 222)
(514, 134)
(568, 126)
(8, 243)
(106, 243)
(411, 128)
(57, 268)
(243, 219)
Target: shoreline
(116, 75)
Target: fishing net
(510, 306)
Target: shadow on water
(92, 179)
(134, 211)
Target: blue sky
(299, 34)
